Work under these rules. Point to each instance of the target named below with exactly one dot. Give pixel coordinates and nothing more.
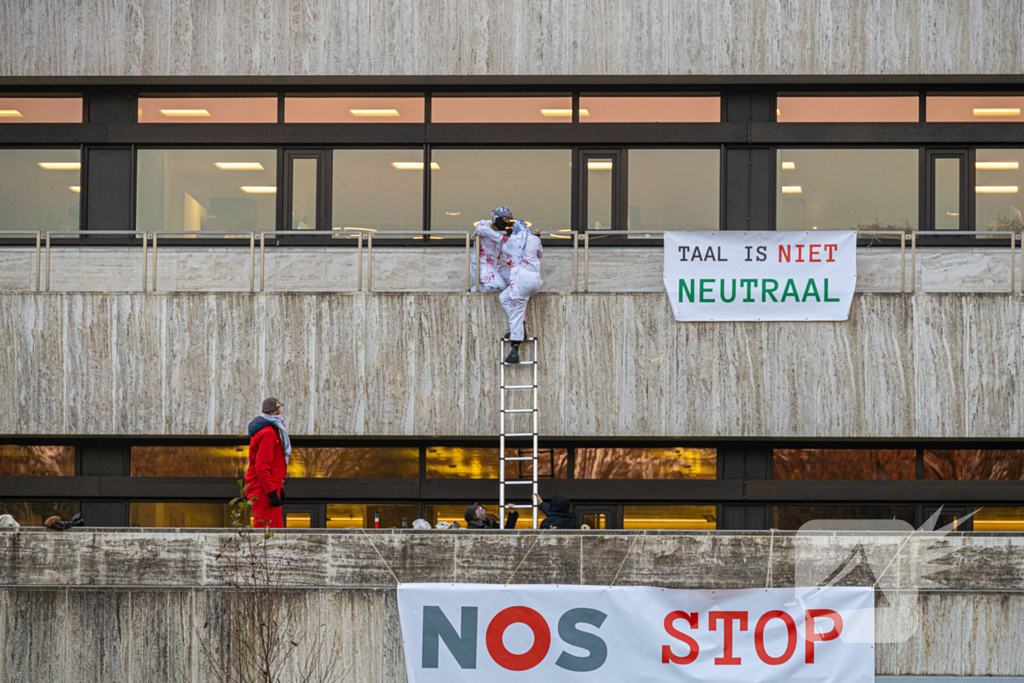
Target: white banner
(519, 634)
(761, 275)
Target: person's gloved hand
(280, 492)
(275, 500)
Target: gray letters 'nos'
(570, 635)
(437, 627)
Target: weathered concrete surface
(489, 37)
(419, 364)
(137, 600)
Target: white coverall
(524, 250)
(494, 266)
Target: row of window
(382, 190)
(478, 108)
(482, 463)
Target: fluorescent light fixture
(563, 113)
(258, 189)
(452, 213)
(414, 165)
(374, 112)
(996, 189)
(561, 237)
(239, 165)
(61, 165)
(75, 188)
(814, 227)
(996, 165)
(997, 111)
(789, 165)
(185, 112)
(778, 113)
(10, 113)
(599, 165)
(952, 214)
(362, 229)
(792, 189)
(528, 224)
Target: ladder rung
(522, 362)
(528, 482)
(520, 434)
(528, 339)
(520, 507)
(524, 457)
(519, 386)
(519, 410)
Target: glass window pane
(353, 109)
(826, 108)
(792, 517)
(217, 190)
(697, 517)
(456, 512)
(645, 109)
(594, 520)
(298, 520)
(501, 109)
(646, 463)
(847, 189)
(207, 110)
(377, 190)
(999, 519)
(304, 193)
(39, 189)
(673, 189)
(189, 461)
(975, 108)
(975, 465)
(370, 516)
(466, 184)
(999, 177)
(40, 110)
(35, 513)
(367, 463)
(183, 515)
(947, 194)
(30, 461)
(482, 463)
(824, 463)
(599, 194)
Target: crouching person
(269, 450)
(477, 518)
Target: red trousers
(263, 515)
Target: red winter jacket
(266, 463)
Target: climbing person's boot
(513, 355)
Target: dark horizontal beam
(72, 134)
(906, 491)
(958, 134)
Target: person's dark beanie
(471, 512)
(270, 405)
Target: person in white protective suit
(524, 250)
(494, 266)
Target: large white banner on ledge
(518, 634)
(714, 276)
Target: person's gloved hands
(280, 492)
(275, 500)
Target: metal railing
(314, 234)
(200, 235)
(97, 233)
(422, 234)
(1014, 237)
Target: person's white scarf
(279, 425)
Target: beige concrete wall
(129, 605)
(927, 365)
(495, 37)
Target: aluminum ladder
(505, 425)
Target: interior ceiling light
(258, 189)
(452, 213)
(996, 165)
(952, 214)
(10, 113)
(599, 165)
(239, 165)
(185, 112)
(562, 112)
(61, 165)
(374, 112)
(362, 229)
(996, 189)
(789, 165)
(414, 165)
(997, 111)
(75, 188)
(792, 189)
(561, 237)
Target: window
(378, 190)
(501, 109)
(823, 463)
(40, 109)
(999, 176)
(466, 184)
(974, 465)
(998, 519)
(975, 108)
(35, 513)
(847, 189)
(207, 110)
(692, 517)
(216, 190)
(184, 515)
(353, 109)
(34, 461)
(792, 517)
(189, 461)
(482, 463)
(360, 516)
(836, 108)
(384, 462)
(650, 109)
(673, 189)
(646, 463)
(40, 189)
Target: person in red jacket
(269, 451)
